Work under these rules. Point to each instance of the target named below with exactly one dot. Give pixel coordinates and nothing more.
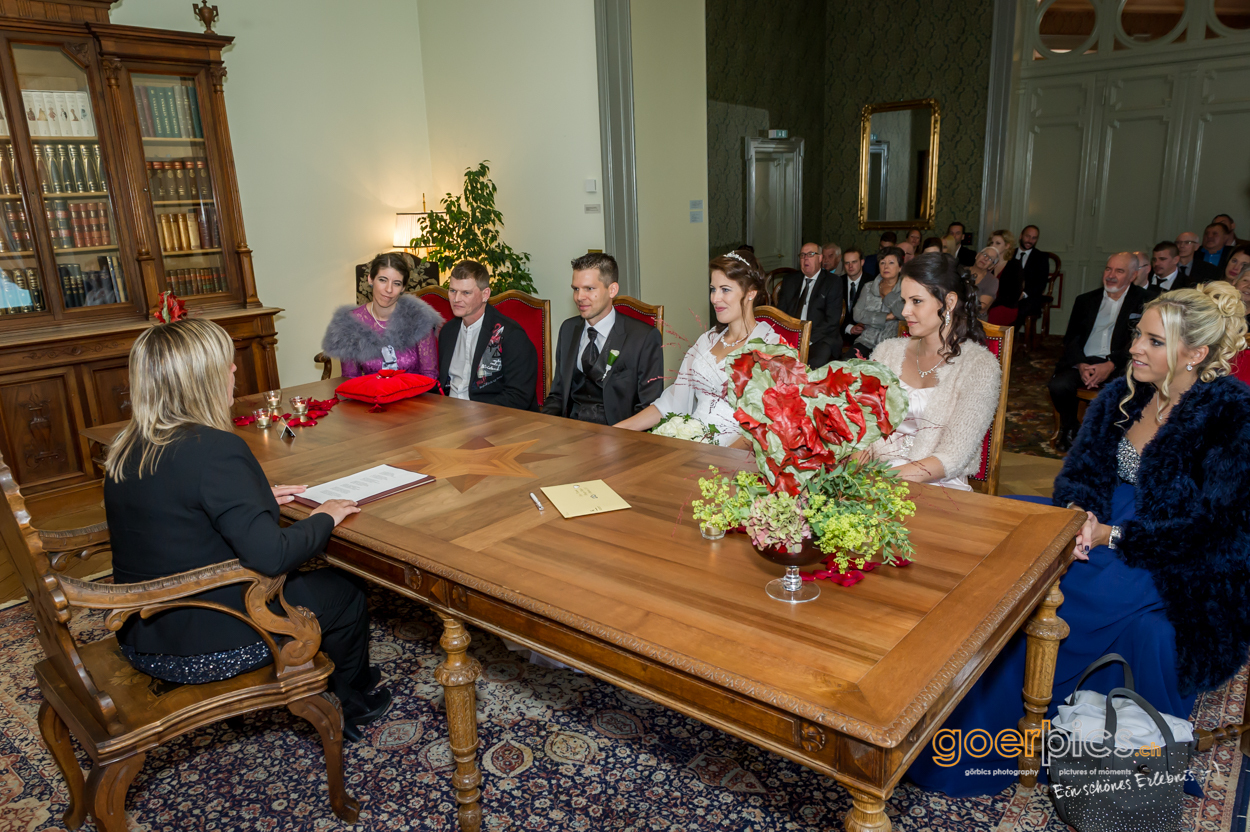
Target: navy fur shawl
(1191, 529)
(349, 339)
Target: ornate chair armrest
(63, 545)
(151, 597)
(327, 365)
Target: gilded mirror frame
(925, 220)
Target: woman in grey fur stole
(394, 331)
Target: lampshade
(407, 227)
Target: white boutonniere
(612, 356)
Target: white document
(361, 486)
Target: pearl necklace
(379, 321)
(732, 343)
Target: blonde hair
(179, 376)
(1009, 239)
(1211, 316)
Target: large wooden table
(853, 685)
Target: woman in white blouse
(952, 381)
(702, 382)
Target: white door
(774, 190)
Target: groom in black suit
(608, 366)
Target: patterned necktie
(591, 353)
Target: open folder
(364, 487)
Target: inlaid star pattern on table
(474, 461)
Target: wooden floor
(1021, 474)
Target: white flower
(685, 427)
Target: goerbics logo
(951, 744)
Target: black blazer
(968, 257)
(1081, 324)
(1036, 273)
(1154, 288)
(1224, 255)
(1010, 284)
(871, 268)
(852, 295)
(208, 502)
(824, 310)
(509, 383)
(1200, 271)
(635, 380)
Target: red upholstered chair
(645, 312)
(436, 296)
(534, 316)
(985, 480)
(794, 332)
(772, 281)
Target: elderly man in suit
(1095, 346)
(608, 366)
(815, 295)
(1193, 269)
(831, 258)
(484, 355)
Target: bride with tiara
(702, 382)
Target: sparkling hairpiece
(735, 255)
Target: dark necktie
(1184, 271)
(807, 288)
(591, 353)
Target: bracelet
(1072, 504)
(1114, 537)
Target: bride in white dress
(702, 382)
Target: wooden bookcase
(117, 182)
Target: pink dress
(421, 357)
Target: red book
(78, 225)
(106, 232)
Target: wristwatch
(1114, 537)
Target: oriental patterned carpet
(560, 751)
(1030, 416)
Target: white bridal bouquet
(686, 427)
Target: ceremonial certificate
(364, 487)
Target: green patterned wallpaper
(762, 58)
(896, 51)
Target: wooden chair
(534, 316)
(645, 312)
(794, 332)
(985, 479)
(118, 714)
(1052, 300)
(772, 282)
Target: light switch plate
(592, 186)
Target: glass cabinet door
(180, 184)
(21, 290)
(72, 179)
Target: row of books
(72, 224)
(20, 292)
(179, 179)
(57, 113)
(168, 112)
(70, 169)
(95, 287)
(191, 230)
(185, 282)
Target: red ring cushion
(385, 386)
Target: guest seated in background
(1215, 246)
(1035, 272)
(952, 381)
(1005, 242)
(965, 256)
(949, 245)
(853, 284)
(880, 304)
(1164, 271)
(1241, 364)
(913, 237)
(1237, 262)
(1161, 468)
(831, 258)
(909, 251)
(886, 240)
(1232, 239)
(182, 491)
(586, 386)
(982, 274)
(1193, 269)
(394, 331)
(484, 355)
(702, 383)
(1095, 346)
(816, 296)
(932, 244)
(1141, 269)
(1005, 307)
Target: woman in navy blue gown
(1161, 467)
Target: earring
(948, 317)
(1189, 367)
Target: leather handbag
(1115, 763)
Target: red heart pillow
(385, 386)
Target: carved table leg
(457, 675)
(1045, 630)
(867, 813)
(56, 737)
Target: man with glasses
(815, 295)
(1194, 270)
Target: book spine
(168, 113)
(77, 171)
(184, 112)
(192, 224)
(194, 101)
(99, 224)
(78, 225)
(119, 278)
(184, 233)
(168, 239)
(67, 286)
(157, 178)
(6, 174)
(85, 117)
(141, 113)
(180, 180)
(48, 102)
(202, 218)
(64, 226)
(106, 228)
(80, 287)
(12, 235)
(171, 182)
(214, 229)
(56, 163)
(88, 175)
(23, 228)
(154, 105)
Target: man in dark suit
(887, 239)
(967, 257)
(853, 282)
(1035, 268)
(483, 355)
(1215, 248)
(1194, 269)
(1095, 346)
(608, 366)
(1231, 225)
(1165, 272)
(815, 295)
